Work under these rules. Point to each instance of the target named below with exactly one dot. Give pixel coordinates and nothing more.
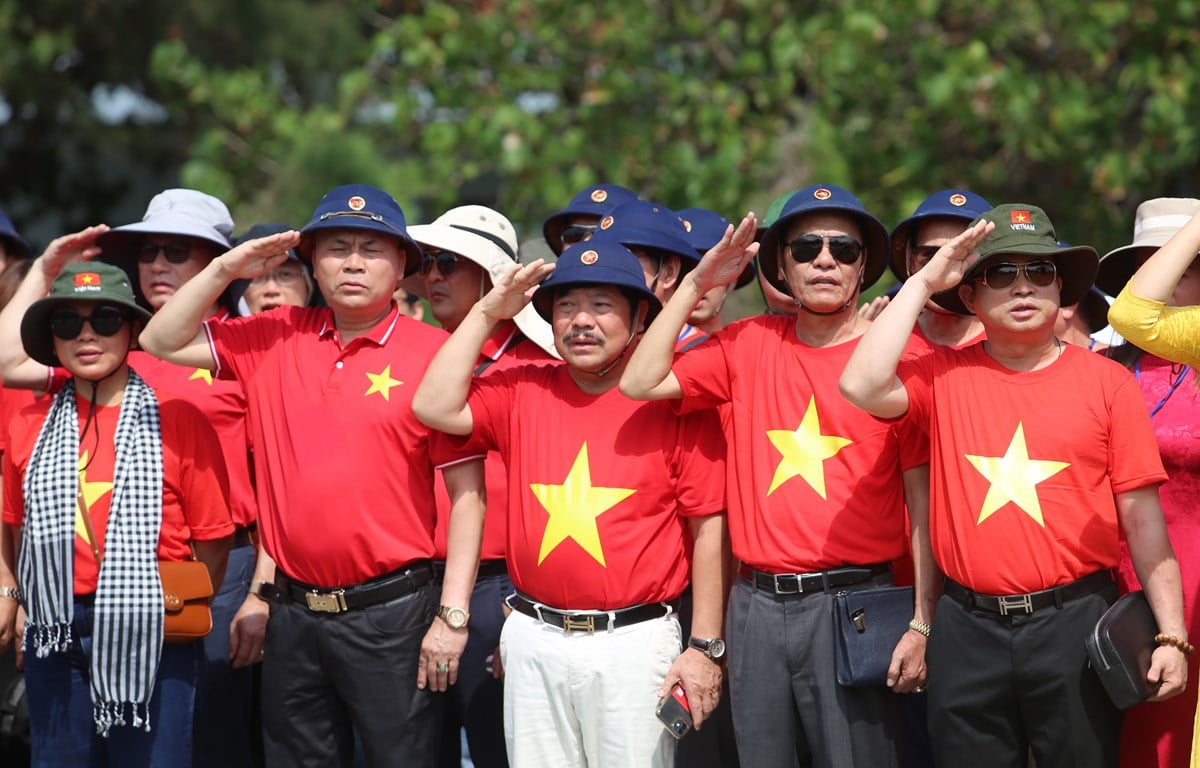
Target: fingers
(438, 674)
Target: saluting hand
(68, 249)
(258, 256)
(947, 267)
(726, 260)
(510, 295)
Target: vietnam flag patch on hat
(87, 280)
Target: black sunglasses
(175, 253)
(577, 233)
(67, 324)
(844, 248)
(1040, 273)
(445, 261)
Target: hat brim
(36, 337)
(412, 251)
(118, 247)
(1117, 267)
(122, 240)
(875, 238)
(649, 238)
(1076, 266)
(596, 275)
(17, 246)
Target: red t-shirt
(813, 482)
(920, 334)
(194, 482)
(1025, 465)
(599, 487)
(504, 349)
(343, 468)
(11, 403)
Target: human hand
(259, 256)
(513, 291)
(19, 637)
(8, 621)
(726, 260)
(248, 632)
(700, 677)
(871, 309)
(907, 672)
(440, 651)
(1168, 670)
(69, 249)
(946, 268)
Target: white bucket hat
(489, 239)
(1156, 222)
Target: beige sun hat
(1156, 222)
(489, 239)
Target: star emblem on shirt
(804, 451)
(573, 508)
(382, 383)
(202, 374)
(89, 494)
(1014, 477)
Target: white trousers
(586, 701)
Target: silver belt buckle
(779, 590)
(329, 602)
(1015, 604)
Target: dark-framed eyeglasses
(281, 276)
(445, 261)
(843, 248)
(175, 252)
(577, 233)
(1004, 274)
(67, 324)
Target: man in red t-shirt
(817, 489)
(1039, 451)
(613, 505)
(465, 251)
(344, 479)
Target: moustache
(582, 334)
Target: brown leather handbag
(187, 591)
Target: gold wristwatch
(455, 618)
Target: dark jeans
(328, 676)
(1000, 686)
(225, 717)
(60, 707)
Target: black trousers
(327, 676)
(1000, 686)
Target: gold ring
(443, 667)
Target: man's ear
(639, 320)
(966, 292)
(668, 276)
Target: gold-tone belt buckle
(579, 624)
(1015, 604)
(330, 602)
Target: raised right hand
(259, 256)
(510, 295)
(954, 259)
(68, 249)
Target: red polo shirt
(343, 468)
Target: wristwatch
(265, 590)
(455, 618)
(713, 649)
(12, 592)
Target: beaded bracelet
(919, 626)
(1171, 640)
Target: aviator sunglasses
(843, 248)
(445, 261)
(1004, 274)
(175, 253)
(67, 324)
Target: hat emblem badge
(599, 195)
(687, 224)
(822, 194)
(356, 203)
(958, 199)
(589, 257)
(606, 222)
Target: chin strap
(837, 311)
(600, 374)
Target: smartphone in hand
(674, 712)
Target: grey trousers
(788, 709)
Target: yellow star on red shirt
(804, 451)
(89, 494)
(202, 374)
(573, 508)
(382, 383)
(1014, 477)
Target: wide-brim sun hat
(824, 198)
(361, 207)
(599, 261)
(958, 204)
(597, 200)
(489, 239)
(90, 281)
(1157, 220)
(1025, 230)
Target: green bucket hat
(1025, 230)
(91, 281)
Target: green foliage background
(1085, 108)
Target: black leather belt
(243, 536)
(390, 586)
(799, 583)
(591, 622)
(1006, 605)
(490, 569)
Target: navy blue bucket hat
(599, 261)
(598, 200)
(649, 225)
(946, 204)
(817, 198)
(17, 246)
(361, 206)
(705, 229)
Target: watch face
(456, 618)
(716, 648)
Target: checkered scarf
(128, 631)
